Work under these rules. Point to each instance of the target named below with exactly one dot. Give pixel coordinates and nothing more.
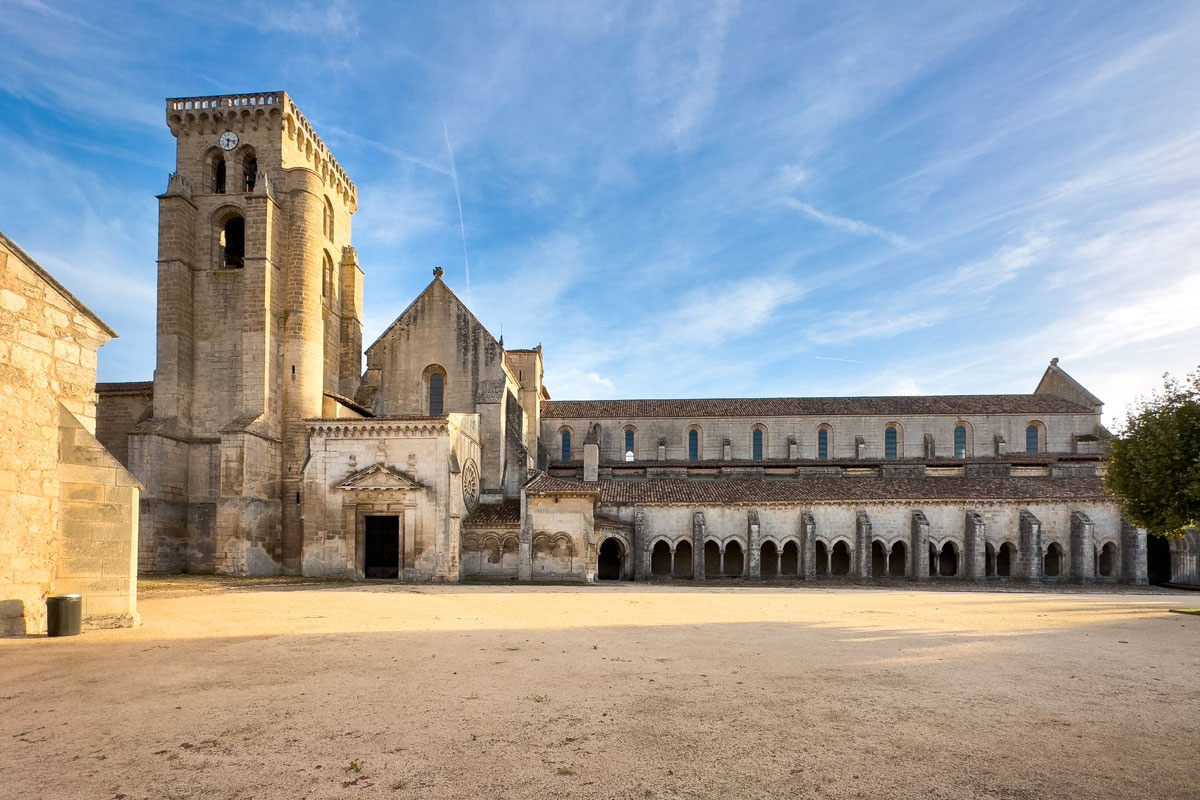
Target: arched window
(566, 444)
(889, 443)
(630, 442)
(249, 171)
(327, 221)
(217, 172)
(327, 276)
(693, 439)
(960, 441)
(757, 437)
(823, 443)
(232, 244)
(1032, 439)
(435, 390)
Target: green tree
(1154, 464)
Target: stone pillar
(1031, 548)
(591, 455)
(350, 358)
(662, 449)
(698, 537)
(1083, 548)
(975, 544)
(1001, 445)
(808, 541)
(753, 545)
(726, 450)
(918, 562)
(1133, 555)
(525, 547)
(862, 545)
(641, 553)
(793, 448)
(860, 447)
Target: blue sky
(693, 199)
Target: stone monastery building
(265, 447)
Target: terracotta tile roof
(505, 514)
(683, 491)
(541, 483)
(758, 407)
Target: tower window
(960, 441)
(249, 171)
(327, 277)
(327, 220)
(233, 244)
(218, 174)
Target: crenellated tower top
(301, 146)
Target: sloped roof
(759, 407)
(437, 284)
(505, 514)
(11, 246)
(811, 490)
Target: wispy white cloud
(853, 226)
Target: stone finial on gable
(438, 272)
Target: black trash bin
(64, 615)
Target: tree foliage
(1154, 464)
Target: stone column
(1133, 555)
(1083, 548)
(1031, 547)
(918, 563)
(698, 536)
(975, 544)
(641, 553)
(862, 545)
(753, 545)
(808, 540)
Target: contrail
(462, 226)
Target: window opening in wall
(897, 559)
(249, 172)
(660, 559)
(683, 560)
(218, 174)
(233, 244)
(629, 445)
(381, 559)
(437, 390)
(327, 276)
(889, 444)
(566, 446)
(1158, 559)
(756, 444)
(823, 444)
(1031, 440)
(609, 561)
(693, 445)
(327, 220)
(960, 441)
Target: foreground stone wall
(54, 474)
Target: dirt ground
(262, 690)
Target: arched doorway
(1158, 559)
(1106, 563)
(769, 560)
(896, 560)
(948, 561)
(1052, 563)
(839, 561)
(734, 560)
(660, 559)
(712, 559)
(683, 560)
(609, 564)
(1005, 559)
(878, 559)
(789, 562)
(821, 556)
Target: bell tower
(259, 318)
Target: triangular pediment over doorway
(378, 477)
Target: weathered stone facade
(70, 522)
(264, 450)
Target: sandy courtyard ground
(300, 691)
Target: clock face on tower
(228, 140)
